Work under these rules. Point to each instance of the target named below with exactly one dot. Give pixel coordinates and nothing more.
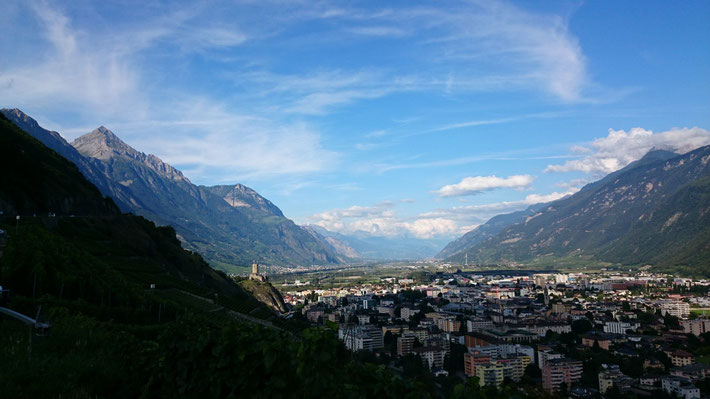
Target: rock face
(266, 294)
(655, 211)
(103, 145)
(241, 196)
(229, 225)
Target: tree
(671, 321)
(563, 390)
(532, 375)
(390, 342)
(581, 326)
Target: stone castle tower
(255, 273)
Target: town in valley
(582, 334)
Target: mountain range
(230, 225)
(371, 247)
(655, 211)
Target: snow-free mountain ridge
(231, 226)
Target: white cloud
(318, 103)
(478, 184)
(540, 47)
(72, 72)
(480, 213)
(230, 146)
(473, 123)
(102, 77)
(385, 31)
(428, 228)
(619, 148)
(381, 220)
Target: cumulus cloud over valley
(620, 148)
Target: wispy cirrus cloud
(474, 214)
(608, 154)
(503, 156)
(102, 75)
(217, 143)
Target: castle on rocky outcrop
(255, 273)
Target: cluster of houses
(508, 324)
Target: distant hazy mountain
(487, 230)
(336, 245)
(386, 248)
(654, 211)
(229, 225)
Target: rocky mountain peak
(104, 145)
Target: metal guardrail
(35, 327)
(25, 319)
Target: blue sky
(397, 118)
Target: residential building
(473, 341)
(675, 308)
(407, 312)
(478, 324)
(544, 355)
(514, 366)
(619, 327)
(611, 376)
(604, 341)
(681, 358)
(674, 385)
(557, 371)
(696, 327)
(490, 374)
(432, 356)
(358, 338)
(405, 343)
(472, 359)
(363, 319)
(542, 329)
(695, 372)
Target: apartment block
(557, 371)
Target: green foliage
(582, 326)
